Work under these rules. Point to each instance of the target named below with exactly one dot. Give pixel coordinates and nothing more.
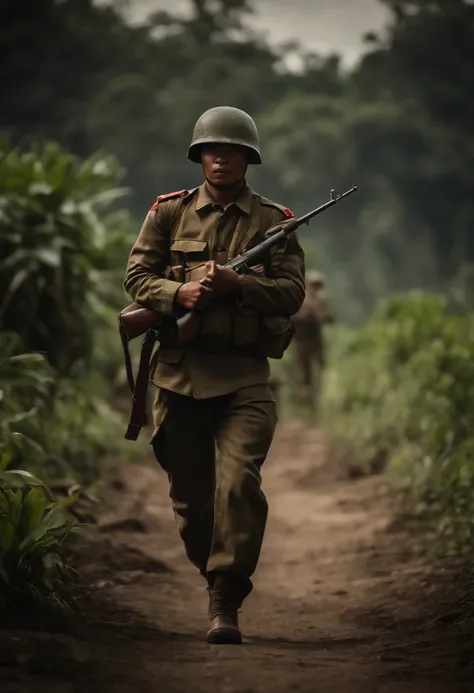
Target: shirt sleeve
(144, 279)
(283, 292)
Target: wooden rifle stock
(135, 320)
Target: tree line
(399, 123)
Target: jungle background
(95, 120)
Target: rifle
(136, 320)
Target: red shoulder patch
(287, 212)
(168, 196)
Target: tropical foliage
(400, 394)
(399, 123)
(61, 248)
(34, 529)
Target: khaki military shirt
(194, 224)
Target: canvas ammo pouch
(226, 324)
(269, 334)
(274, 335)
(245, 326)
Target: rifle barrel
(334, 199)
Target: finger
(211, 268)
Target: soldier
(213, 393)
(309, 347)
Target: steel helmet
(225, 125)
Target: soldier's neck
(225, 196)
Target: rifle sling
(126, 355)
(139, 392)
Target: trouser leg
(245, 430)
(184, 446)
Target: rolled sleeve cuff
(169, 291)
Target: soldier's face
(224, 165)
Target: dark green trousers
(213, 450)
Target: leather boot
(223, 619)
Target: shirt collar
(243, 202)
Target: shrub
(57, 428)
(34, 530)
(63, 247)
(401, 394)
(62, 250)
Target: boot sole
(224, 636)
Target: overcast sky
(321, 25)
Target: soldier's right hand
(194, 295)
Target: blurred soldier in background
(309, 348)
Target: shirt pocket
(189, 253)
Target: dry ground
(342, 601)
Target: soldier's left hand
(221, 279)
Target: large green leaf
(27, 358)
(7, 534)
(33, 532)
(55, 232)
(15, 502)
(20, 478)
(33, 510)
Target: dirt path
(341, 602)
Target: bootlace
(220, 606)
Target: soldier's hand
(194, 295)
(221, 279)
